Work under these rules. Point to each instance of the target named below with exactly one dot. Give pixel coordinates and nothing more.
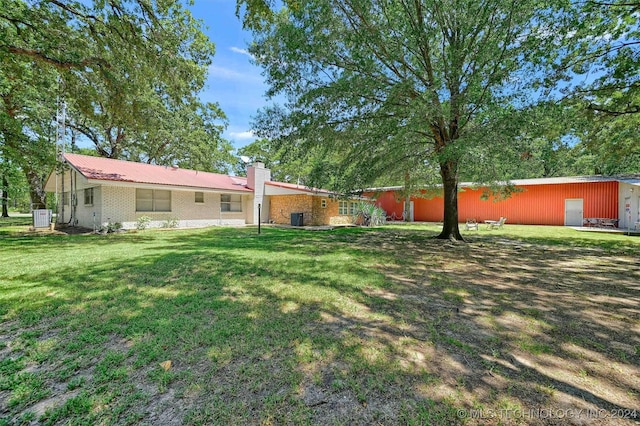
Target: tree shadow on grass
(36, 243)
(346, 327)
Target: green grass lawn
(351, 326)
(15, 224)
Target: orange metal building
(546, 201)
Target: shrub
(110, 227)
(172, 222)
(368, 214)
(143, 223)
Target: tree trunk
(36, 190)
(450, 229)
(5, 195)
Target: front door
(573, 212)
(627, 214)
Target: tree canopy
(599, 61)
(481, 90)
(130, 72)
(399, 85)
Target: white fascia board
(278, 190)
(384, 189)
(50, 185)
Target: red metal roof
(107, 169)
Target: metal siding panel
(388, 202)
(428, 210)
(543, 204)
(535, 205)
(601, 200)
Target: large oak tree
(130, 71)
(397, 84)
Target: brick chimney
(257, 175)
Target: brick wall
(83, 214)
(119, 205)
(281, 207)
(88, 215)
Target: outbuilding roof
(630, 179)
(110, 170)
(526, 182)
(561, 180)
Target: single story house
(95, 191)
(567, 201)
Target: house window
(88, 197)
(153, 200)
(343, 207)
(199, 197)
(323, 203)
(65, 198)
(353, 208)
(230, 203)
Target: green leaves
(393, 87)
(601, 54)
(130, 72)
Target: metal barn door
(627, 220)
(573, 212)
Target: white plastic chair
(493, 224)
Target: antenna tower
(61, 117)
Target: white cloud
(226, 73)
(242, 135)
(221, 72)
(241, 51)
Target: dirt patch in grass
(346, 327)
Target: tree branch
(631, 109)
(632, 4)
(73, 11)
(58, 63)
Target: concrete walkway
(624, 231)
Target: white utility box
(42, 218)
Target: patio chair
(471, 224)
(493, 224)
(395, 217)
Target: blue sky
(234, 83)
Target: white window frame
(88, 196)
(323, 203)
(353, 207)
(199, 197)
(156, 200)
(343, 207)
(231, 203)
